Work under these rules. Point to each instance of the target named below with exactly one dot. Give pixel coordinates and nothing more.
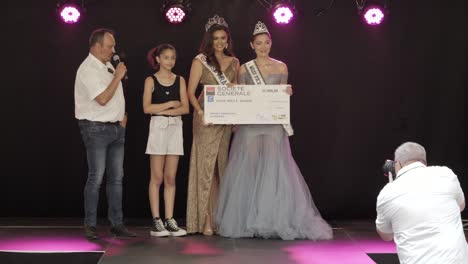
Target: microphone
(116, 59)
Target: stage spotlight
(283, 12)
(372, 14)
(176, 11)
(175, 14)
(69, 13)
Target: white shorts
(165, 136)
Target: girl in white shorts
(165, 98)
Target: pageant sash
(220, 77)
(257, 77)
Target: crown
(215, 20)
(260, 28)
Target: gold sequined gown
(208, 159)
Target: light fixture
(176, 11)
(70, 12)
(372, 13)
(283, 12)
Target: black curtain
(360, 92)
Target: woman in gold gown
(214, 65)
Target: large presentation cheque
(246, 104)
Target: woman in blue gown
(263, 193)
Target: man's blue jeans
(104, 144)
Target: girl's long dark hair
(206, 47)
(156, 51)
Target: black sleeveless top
(163, 94)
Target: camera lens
(389, 166)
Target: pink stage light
(70, 14)
(49, 244)
(283, 14)
(335, 251)
(373, 15)
(175, 14)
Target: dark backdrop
(359, 93)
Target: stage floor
(355, 242)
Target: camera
(389, 168)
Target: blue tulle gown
(263, 193)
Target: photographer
(420, 210)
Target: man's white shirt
(92, 78)
(422, 208)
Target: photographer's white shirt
(422, 209)
(92, 78)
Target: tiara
(260, 28)
(216, 20)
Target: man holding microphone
(100, 110)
